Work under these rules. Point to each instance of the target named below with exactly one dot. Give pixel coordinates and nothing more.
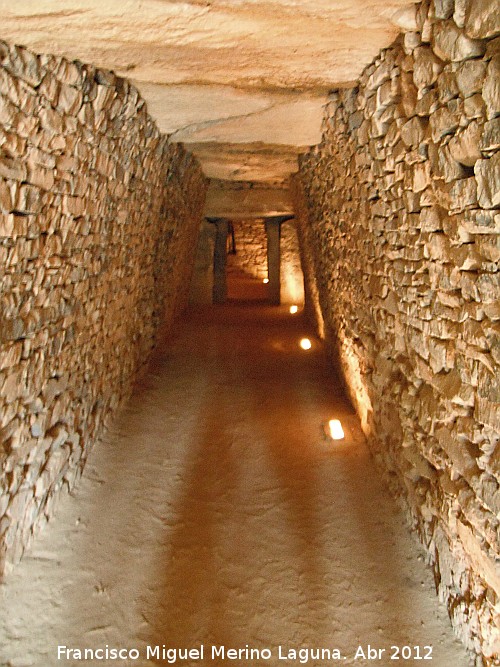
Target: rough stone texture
(306, 235)
(240, 200)
(98, 220)
(482, 18)
(251, 248)
(399, 223)
(221, 73)
(255, 162)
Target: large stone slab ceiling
(221, 72)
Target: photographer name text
(302, 655)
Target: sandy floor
(216, 513)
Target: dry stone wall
(251, 248)
(400, 230)
(98, 217)
(308, 251)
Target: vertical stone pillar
(220, 255)
(202, 281)
(273, 226)
(273, 260)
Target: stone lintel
(247, 202)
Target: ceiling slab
(290, 119)
(260, 162)
(221, 76)
(243, 200)
(262, 44)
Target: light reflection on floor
(218, 513)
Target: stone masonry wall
(400, 230)
(251, 248)
(307, 250)
(96, 237)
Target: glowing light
(265, 281)
(294, 309)
(336, 432)
(305, 344)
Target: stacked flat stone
(400, 228)
(98, 221)
(251, 248)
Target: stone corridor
(166, 156)
(217, 513)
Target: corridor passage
(217, 513)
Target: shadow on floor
(260, 547)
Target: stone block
(12, 168)
(69, 100)
(25, 65)
(487, 173)
(427, 67)
(380, 74)
(447, 86)
(488, 247)
(482, 18)
(10, 356)
(444, 121)
(470, 76)
(414, 132)
(492, 48)
(409, 93)
(448, 384)
(430, 219)
(490, 140)
(51, 121)
(488, 286)
(74, 206)
(427, 103)
(465, 145)
(465, 258)
(8, 112)
(463, 194)
(40, 177)
(491, 87)
(49, 88)
(420, 176)
(474, 107)
(450, 43)
(444, 164)
(443, 9)
(487, 413)
(459, 11)
(458, 453)
(104, 95)
(387, 94)
(14, 382)
(411, 40)
(28, 199)
(437, 247)
(5, 203)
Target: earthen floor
(217, 513)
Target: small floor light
(335, 430)
(294, 309)
(305, 344)
(265, 281)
